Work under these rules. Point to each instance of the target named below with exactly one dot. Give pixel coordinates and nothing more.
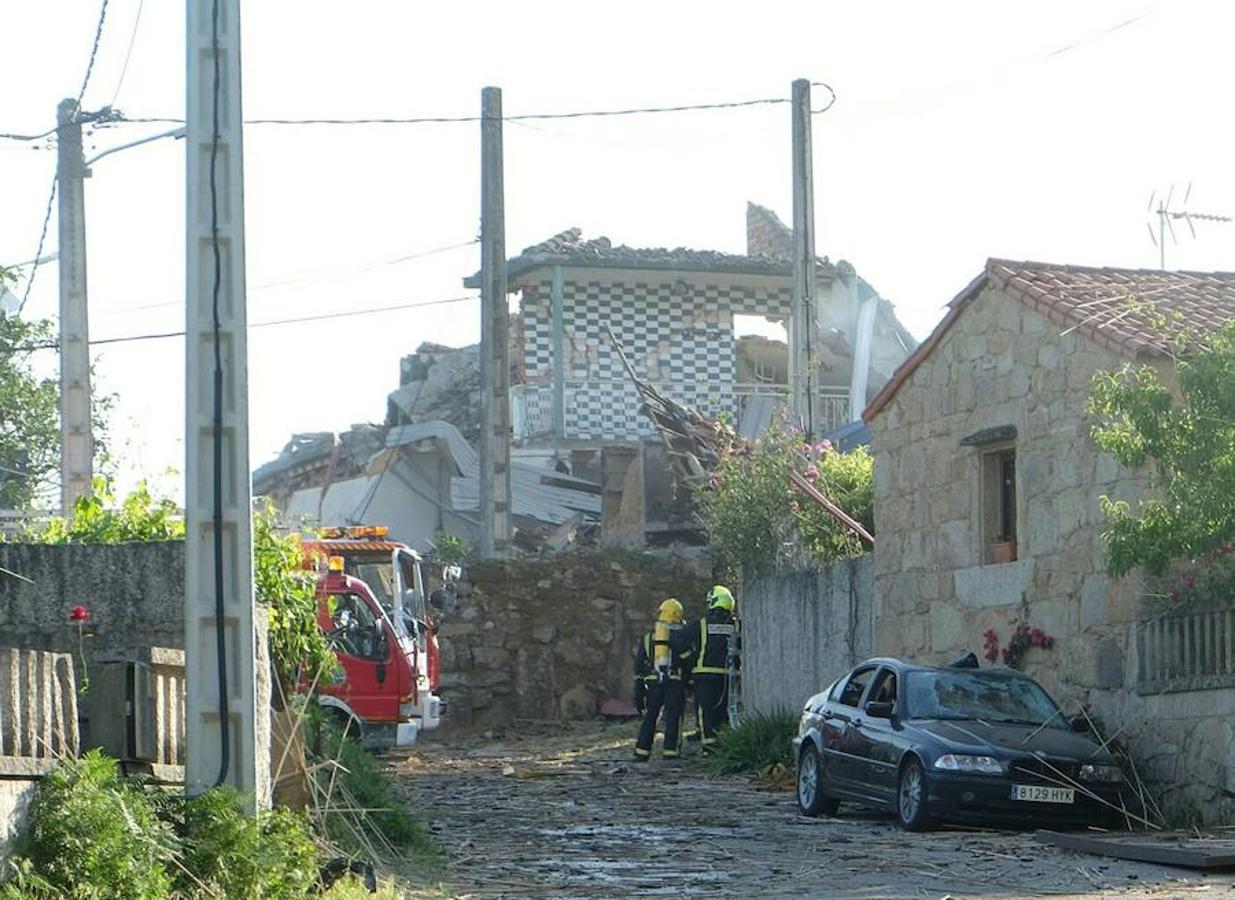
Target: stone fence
(552, 638)
(802, 630)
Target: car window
(967, 694)
(884, 689)
(851, 695)
(356, 631)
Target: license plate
(1036, 793)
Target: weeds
(760, 741)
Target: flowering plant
(1023, 637)
(79, 616)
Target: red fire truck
(374, 605)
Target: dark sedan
(929, 743)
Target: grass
(760, 741)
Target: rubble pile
(439, 383)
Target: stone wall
(802, 630)
(936, 590)
(134, 592)
(551, 638)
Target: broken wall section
(551, 638)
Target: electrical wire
(523, 117)
(217, 416)
(51, 198)
(128, 54)
(94, 52)
(160, 335)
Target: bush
(760, 741)
(97, 836)
(237, 855)
(93, 836)
(361, 783)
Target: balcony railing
(1186, 651)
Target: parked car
(930, 743)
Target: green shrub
(94, 836)
(233, 854)
(760, 741)
(364, 786)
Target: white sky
(962, 131)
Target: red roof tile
(1130, 311)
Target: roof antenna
(1166, 216)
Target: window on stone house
(999, 510)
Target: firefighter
(710, 640)
(662, 665)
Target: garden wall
(551, 638)
(801, 630)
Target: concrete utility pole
(802, 323)
(76, 427)
(228, 718)
(495, 531)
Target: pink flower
(992, 653)
(805, 449)
(811, 472)
(825, 446)
(79, 613)
(1006, 653)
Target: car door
(875, 740)
(838, 730)
(363, 646)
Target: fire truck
(373, 603)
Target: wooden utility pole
(802, 322)
(495, 525)
(228, 690)
(76, 426)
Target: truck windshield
(965, 694)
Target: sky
(961, 131)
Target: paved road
(561, 811)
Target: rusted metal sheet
(1190, 849)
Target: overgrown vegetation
(1185, 440)
(757, 523)
(289, 592)
(98, 836)
(383, 821)
(759, 742)
(99, 519)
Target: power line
(161, 335)
(122, 119)
(38, 254)
(124, 70)
(94, 52)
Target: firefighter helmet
(721, 597)
(670, 611)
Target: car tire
(809, 785)
(912, 792)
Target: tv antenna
(1167, 215)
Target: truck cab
(373, 604)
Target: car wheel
(911, 796)
(811, 799)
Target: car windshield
(965, 694)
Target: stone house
(987, 487)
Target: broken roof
(1120, 309)
(569, 249)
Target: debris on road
(1188, 849)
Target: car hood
(1014, 739)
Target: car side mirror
(879, 709)
(1080, 724)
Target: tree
(1186, 441)
(757, 523)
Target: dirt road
(562, 811)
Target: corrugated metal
(529, 497)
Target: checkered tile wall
(678, 337)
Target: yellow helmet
(670, 611)
(720, 596)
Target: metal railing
(1186, 651)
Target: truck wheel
(348, 724)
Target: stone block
(1109, 664)
(948, 629)
(544, 634)
(994, 585)
(578, 703)
(456, 629)
(1093, 601)
(953, 544)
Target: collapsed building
(707, 329)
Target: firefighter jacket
(679, 647)
(711, 638)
